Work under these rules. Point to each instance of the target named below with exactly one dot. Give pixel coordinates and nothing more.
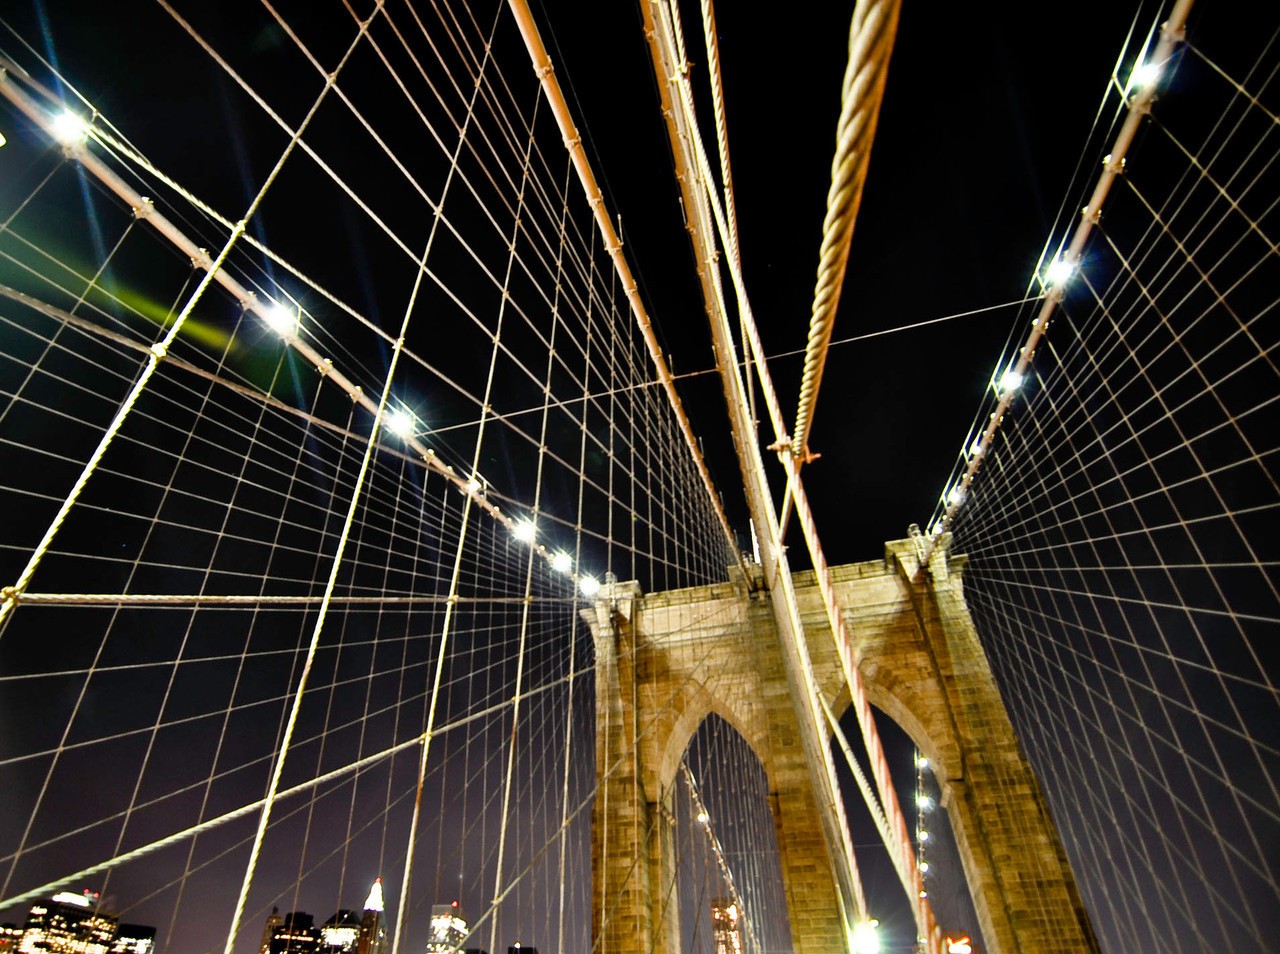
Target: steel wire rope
(1132, 758)
(346, 188)
(847, 875)
(249, 808)
(551, 87)
(44, 786)
(871, 36)
(900, 852)
(504, 815)
(1189, 440)
(1170, 37)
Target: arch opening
(729, 879)
(922, 799)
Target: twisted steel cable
(871, 35)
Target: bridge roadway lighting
(400, 423)
(561, 562)
(1011, 380)
(1059, 271)
(69, 129)
(524, 531)
(589, 586)
(281, 319)
(1145, 74)
(866, 937)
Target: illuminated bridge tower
(666, 661)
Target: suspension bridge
(362, 519)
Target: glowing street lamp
(1059, 271)
(1145, 74)
(1011, 380)
(281, 319)
(589, 586)
(69, 129)
(400, 423)
(866, 937)
(561, 562)
(524, 531)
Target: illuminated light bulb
(924, 866)
(1011, 381)
(400, 423)
(562, 562)
(925, 802)
(1146, 74)
(922, 762)
(524, 531)
(866, 939)
(956, 497)
(69, 129)
(937, 528)
(924, 894)
(924, 836)
(280, 319)
(1059, 271)
(704, 817)
(473, 486)
(589, 586)
(976, 447)
(3, 141)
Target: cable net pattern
(261, 608)
(1121, 536)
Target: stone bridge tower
(665, 661)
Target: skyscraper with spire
(373, 927)
(274, 921)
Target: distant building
(134, 939)
(373, 928)
(341, 933)
(448, 929)
(10, 935)
(68, 924)
(297, 934)
(274, 921)
(725, 932)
